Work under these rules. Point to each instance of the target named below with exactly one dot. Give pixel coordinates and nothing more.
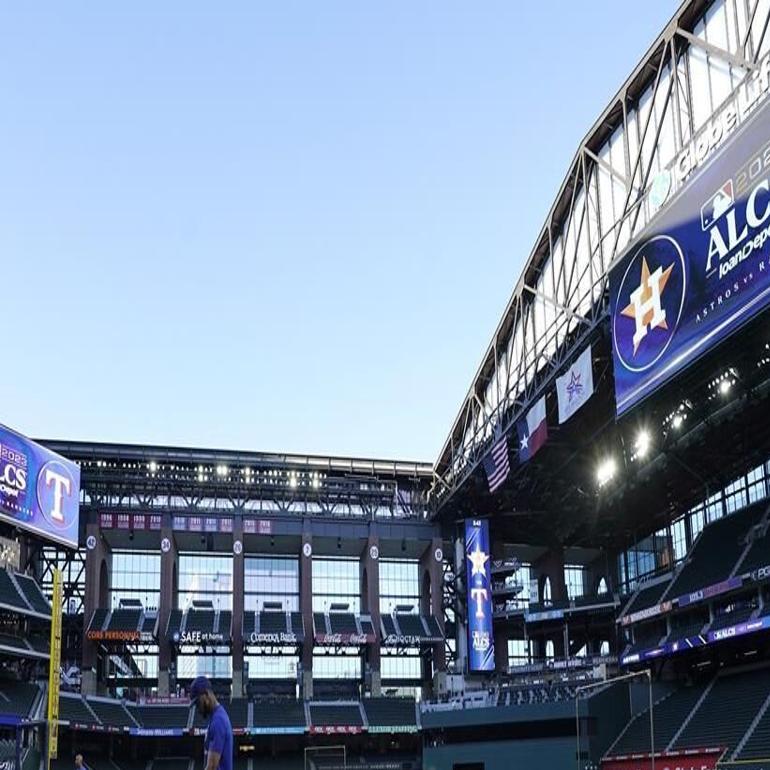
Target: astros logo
(649, 303)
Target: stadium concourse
(581, 579)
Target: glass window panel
(212, 666)
(272, 666)
(517, 652)
(336, 666)
(735, 495)
(206, 577)
(699, 82)
(757, 484)
(714, 507)
(399, 584)
(135, 575)
(697, 521)
(574, 578)
(679, 538)
(401, 666)
(271, 579)
(336, 581)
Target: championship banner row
(153, 522)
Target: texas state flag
(532, 430)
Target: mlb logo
(720, 202)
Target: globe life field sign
(701, 269)
(39, 489)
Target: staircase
(97, 721)
(752, 728)
(692, 713)
(21, 593)
(640, 715)
(762, 529)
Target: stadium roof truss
(157, 479)
(560, 300)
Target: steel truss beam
(157, 479)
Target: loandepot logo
(650, 303)
(737, 225)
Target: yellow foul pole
(53, 669)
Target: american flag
(496, 464)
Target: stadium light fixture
(221, 470)
(678, 421)
(153, 466)
(606, 471)
(721, 385)
(642, 444)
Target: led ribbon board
(699, 272)
(39, 489)
(481, 647)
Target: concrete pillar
(558, 593)
(461, 629)
(88, 680)
(538, 644)
(565, 640)
(306, 607)
(238, 686)
(527, 645)
(169, 587)
(500, 636)
(601, 567)
(24, 552)
(239, 568)
(97, 596)
(551, 565)
(369, 572)
(432, 603)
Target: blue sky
(286, 226)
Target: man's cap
(199, 685)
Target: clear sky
(285, 226)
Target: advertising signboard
(481, 647)
(699, 272)
(39, 489)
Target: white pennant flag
(575, 386)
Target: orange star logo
(644, 302)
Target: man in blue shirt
(218, 744)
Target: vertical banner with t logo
(481, 647)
